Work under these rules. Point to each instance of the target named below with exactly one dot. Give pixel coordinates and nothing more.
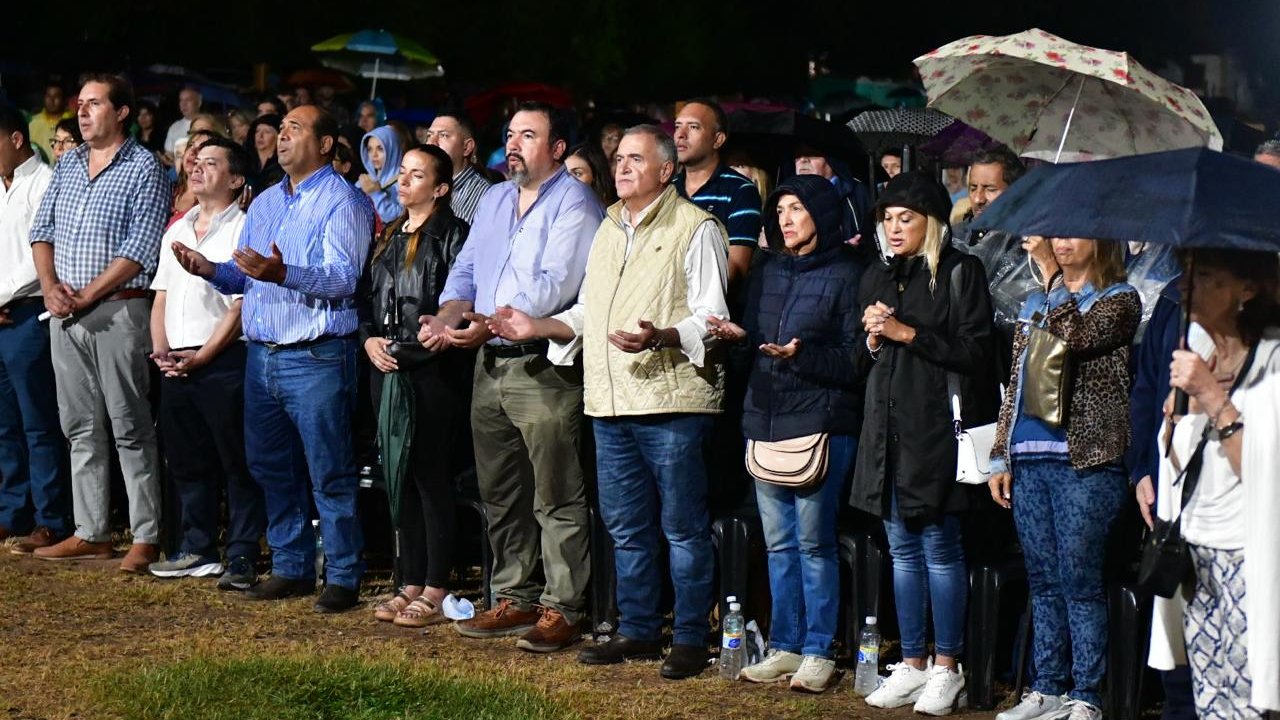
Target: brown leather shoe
(139, 558)
(74, 548)
(505, 619)
(39, 538)
(6, 533)
(552, 633)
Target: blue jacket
(814, 298)
(1151, 383)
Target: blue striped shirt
(119, 213)
(733, 199)
(324, 229)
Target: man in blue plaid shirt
(96, 243)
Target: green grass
(313, 688)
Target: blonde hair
(1107, 268)
(934, 242)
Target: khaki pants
(526, 424)
(100, 362)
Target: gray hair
(666, 146)
(1270, 147)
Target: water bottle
(315, 528)
(868, 675)
(732, 648)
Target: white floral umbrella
(1049, 98)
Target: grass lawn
(82, 640)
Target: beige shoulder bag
(796, 463)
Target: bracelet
(875, 353)
(1213, 419)
(1222, 433)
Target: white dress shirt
(706, 273)
(192, 307)
(18, 205)
(178, 130)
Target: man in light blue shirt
(297, 263)
(527, 249)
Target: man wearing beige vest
(657, 271)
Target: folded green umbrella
(395, 436)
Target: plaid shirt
(119, 213)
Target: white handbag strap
(953, 392)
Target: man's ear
(468, 148)
(558, 149)
(123, 113)
(721, 138)
(326, 146)
(668, 170)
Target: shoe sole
(961, 702)
(801, 687)
(95, 556)
(904, 702)
(773, 681)
(680, 675)
(236, 586)
(327, 610)
(642, 657)
(546, 648)
(198, 571)
(490, 634)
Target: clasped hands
(879, 322)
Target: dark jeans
(202, 423)
(427, 502)
(298, 405)
(34, 483)
(652, 480)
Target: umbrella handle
(1181, 402)
(1070, 116)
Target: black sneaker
(239, 575)
(336, 599)
(279, 588)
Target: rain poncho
(385, 199)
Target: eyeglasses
(56, 143)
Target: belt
(515, 351)
(126, 295)
(301, 344)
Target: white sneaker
(941, 693)
(814, 675)
(777, 665)
(1035, 706)
(903, 686)
(1081, 710)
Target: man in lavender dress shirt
(528, 249)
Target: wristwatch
(1226, 431)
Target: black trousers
(440, 441)
(202, 422)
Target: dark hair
(71, 126)
(442, 166)
(237, 158)
(555, 118)
(11, 121)
(55, 84)
(119, 91)
(326, 125)
(722, 120)
(890, 152)
(601, 170)
(276, 103)
(1011, 165)
(1259, 268)
(463, 121)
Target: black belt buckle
(515, 351)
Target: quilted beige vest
(648, 285)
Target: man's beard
(520, 173)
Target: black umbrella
(778, 134)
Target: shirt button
(894, 438)
(893, 403)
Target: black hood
(820, 198)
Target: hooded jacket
(814, 298)
(385, 200)
(907, 442)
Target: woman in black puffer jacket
(803, 316)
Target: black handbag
(1166, 560)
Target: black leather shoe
(336, 599)
(619, 648)
(279, 588)
(684, 661)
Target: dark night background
(617, 51)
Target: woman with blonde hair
(1057, 463)
(927, 327)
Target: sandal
(387, 610)
(419, 614)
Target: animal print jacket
(1098, 411)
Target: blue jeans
(652, 479)
(804, 570)
(34, 483)
(928, 571)
(298, 405)
(1063, 517)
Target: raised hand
(267, 268)
(725, 330)
(781, 352)
(432, 333)
(647, 339)
(192, 261)
(511, 324)
(475, 334)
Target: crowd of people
(636, 295)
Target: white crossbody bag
(973, 446)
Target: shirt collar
(634, 222)
(465, 175)
(308, 183)
(223, 216)
(547, 185)
(28, 167)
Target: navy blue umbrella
(1194, 197)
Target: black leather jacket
(393, 296)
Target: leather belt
(132, 294)
(302, 344)
(515, 351)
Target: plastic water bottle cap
(735, 607)
(731, 599)
(871, 619)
